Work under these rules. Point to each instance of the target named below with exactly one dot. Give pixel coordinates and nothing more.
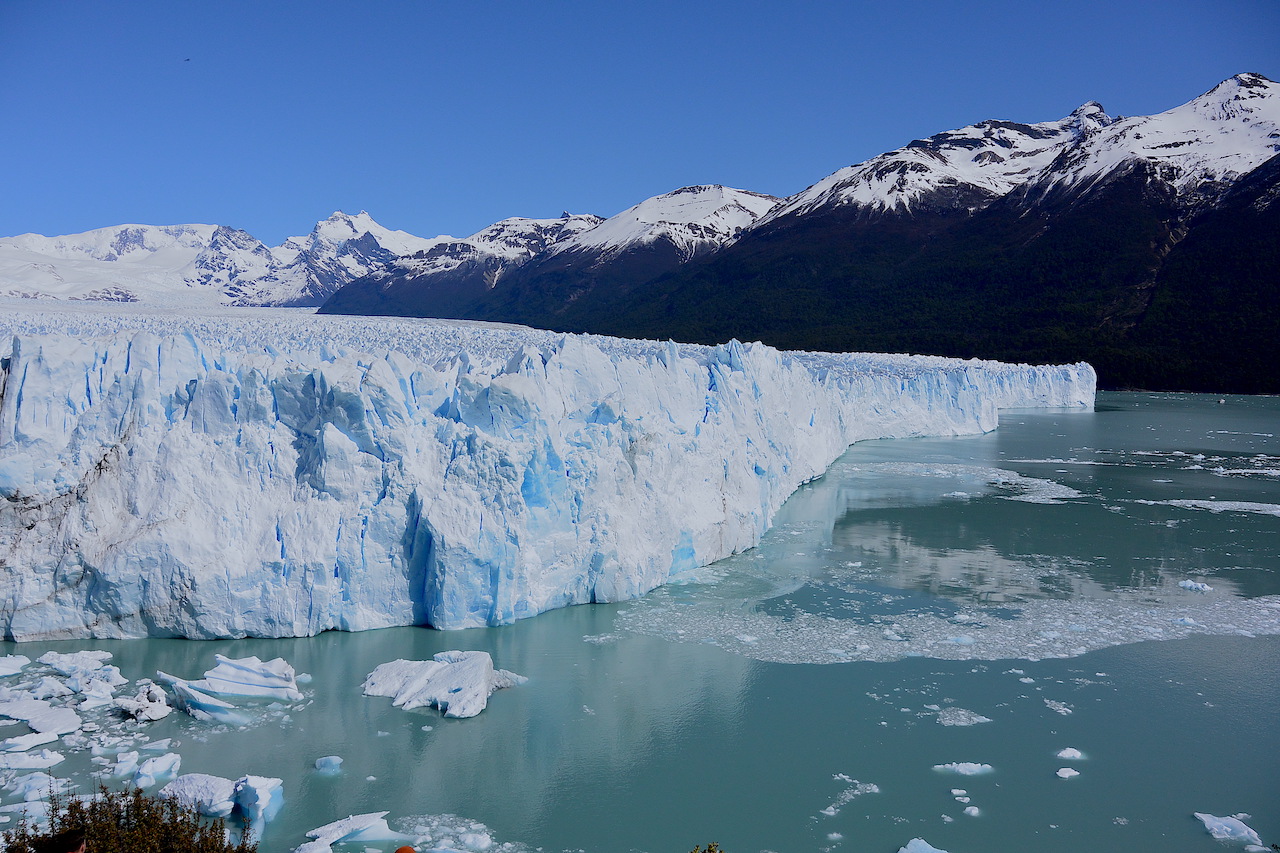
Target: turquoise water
(789, 698)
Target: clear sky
(442, 117)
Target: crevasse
(172, 485)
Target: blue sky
(442, 117)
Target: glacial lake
(990, 600)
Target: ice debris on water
(148, 705)
(1229, 828)
(1070, 753)
(1195, 586)
(458, 683)
(960, 717)
(1067, 773)
(964, 768)
(210, 795)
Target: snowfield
(274, 473)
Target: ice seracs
(282, 479)
(458, 683)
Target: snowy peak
(957, 168)
(1218, 137)
(519, 238)
(694, 219)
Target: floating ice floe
(37, 786)
(41, 716)
(148, 705)
(156, 769)
(1229, 828)
(22, 743)
(1067, 773)
(210, 795)
(12, 664)
(972, 811)
(919, 845)
(201, 705)
(370, 827)
(260, 799)
(1195, 586)
(1070, 753)
(458, 683)
(30, 761)
(964, 768)
(329, 765)
(960, 717)
(273, 679)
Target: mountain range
(1147, 245)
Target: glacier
(275, 473)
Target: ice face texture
(264, 481)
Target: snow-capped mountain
(199, 264)
(504, 270)
(694, 220)
(958, 169)
(1198, 148)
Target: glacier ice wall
(177, 477)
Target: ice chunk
(21, 743)
(249, 676)
(202, 706)
(156, 769)
(1067, 773)
(458, 683)
(329, 765)
(1070, 753)
(1195, 586)
(148, 705)
(919, 845)
(964, 768)
(12, 664)
(211, 795)
(363, 827)
(41, 716)
(260, 798)
(29, 761)
(972, 811)
(1228, 828)
(37, 786)
(960, 717)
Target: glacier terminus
(274, 473)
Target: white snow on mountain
(694, 219)
(272, 473)
(199, 265)
(991, 157)
(1219, 136)
(500, 247)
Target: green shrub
(130, 822)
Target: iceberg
(277, 474)
(260, 799)
(251, 677)
(458, 683)
(210, 795)
(1228, 828)
(148, 705)
(370, 827)
(201, 705)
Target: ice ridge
(159, 482)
